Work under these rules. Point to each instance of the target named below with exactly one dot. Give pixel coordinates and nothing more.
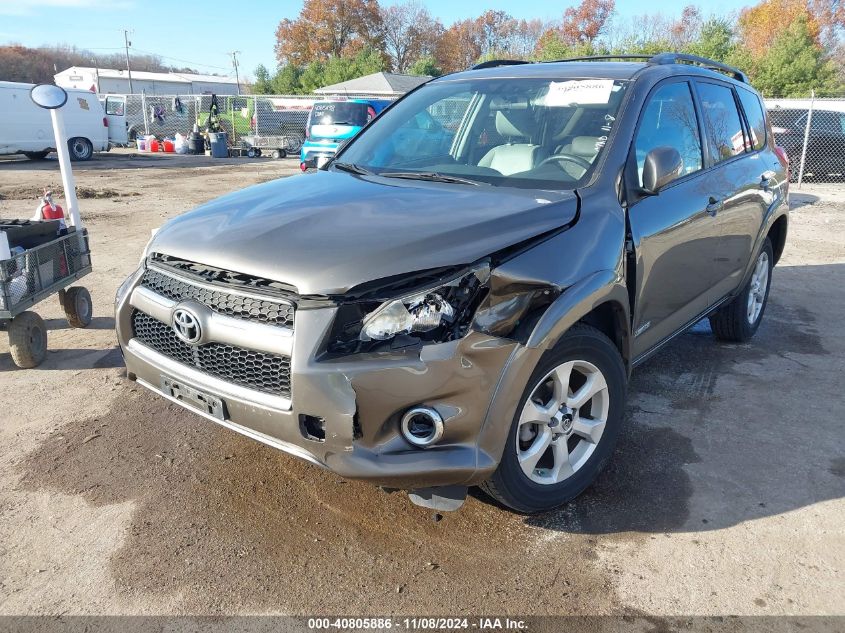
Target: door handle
(713, 207)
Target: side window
(754, 115)
(827, 121)
(115, 106)
(722, 121)
(669, 120)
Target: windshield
(533, 133)
(341, 113)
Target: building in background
(111, 81)
(377, 84)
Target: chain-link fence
(812, 131)
(243, 118)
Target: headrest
(584, 146)
(513, 123)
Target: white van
(26, 129)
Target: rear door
(744, 177)
(115, 107)
(674, 235)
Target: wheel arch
(777, 235)
(600, 300)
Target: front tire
(738, 321)
(80, 148)
(566, 425)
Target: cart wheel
(258, 151)
(279, 153)
(250, 152)
(27, 340)
(77, 305)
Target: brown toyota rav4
(458, 297)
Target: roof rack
(654, 60)
(494, 63)
(668, 58)
(683, 58)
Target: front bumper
(361, 398)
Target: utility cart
(274, 146)
(32, 276)
(43, 257)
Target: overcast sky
(200, 33)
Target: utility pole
(234, 55)
(127, 44)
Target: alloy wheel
(757, 289)
(562, 422)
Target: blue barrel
(219, 146)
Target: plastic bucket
(169, 146)
(219, 146)
(142, 144)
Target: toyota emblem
(186, 326)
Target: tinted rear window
(755, 116)
(343, 113)
(722, 121)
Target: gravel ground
(725, 495)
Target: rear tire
(738, 320)
(36, 155)
(80, 148)
(77, 306)
(27, 340)
(574, 445)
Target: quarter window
(724, 128)
(756, 118)
(669, 120)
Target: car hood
(327, 232)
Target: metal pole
(806, 138)
(67, 174)
(146, 114)
(234, 55)
(128, 69)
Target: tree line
(787, 47)
(38, 65)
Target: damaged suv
(459, 297)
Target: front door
(675, 236)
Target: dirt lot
(725, 495)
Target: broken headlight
(438, 314)
(427, 312)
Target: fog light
(422, 426)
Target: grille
(235, 305)
(269, 373)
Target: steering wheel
(581, 162)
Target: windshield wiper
(431, 176)
(352, 168)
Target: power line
(184, 61)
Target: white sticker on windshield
(579, 92)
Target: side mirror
(662, 166)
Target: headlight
(146, 250)
(422, 313)
(440, 313)
(124, 287)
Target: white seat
(512, 158)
